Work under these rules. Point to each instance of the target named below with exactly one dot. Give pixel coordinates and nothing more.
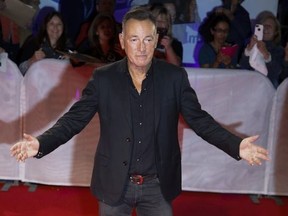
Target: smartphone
(258, 31)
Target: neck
(105, 46)
(53, 43)
(138, 71)
(138, 74)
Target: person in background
(138, 100)
(214, 31)
(101, 6)
(190, 12)
(50, 39)
(74, 14)
(284, 73)
(10, 34)
(168, 48)
(102, 42)
(240, 28)
(171, 8)
(38, 19)
(270, 48)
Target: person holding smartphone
(240, 28)
(270, 47)
(214, 32)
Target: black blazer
(107, 93)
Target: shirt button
(138, 160)
(140, 123)
(140, 105)
(139, 141)
(128, 139)
(125, 163)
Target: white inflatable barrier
(244, 102)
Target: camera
(161, 33)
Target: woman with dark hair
(214, 31)
(102, 42)
(240, 28)
(50, 39)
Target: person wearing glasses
(214, 32)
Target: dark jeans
(147, 199)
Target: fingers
(15, 149)
(22, 156)
(258, 155)
(21, 148)
(19, 151)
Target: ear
(121, 40)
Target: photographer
(168, 48)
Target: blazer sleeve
(204, 124)
(72, 122)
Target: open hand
(251, 152)
(28, 147)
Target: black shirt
(142, 113)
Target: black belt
(140, 179)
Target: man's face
(139, 39)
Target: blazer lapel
(123, 91)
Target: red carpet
(77, 201)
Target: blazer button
(128, 139)
(125, 163)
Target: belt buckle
(137, 179)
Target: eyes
(146, 40)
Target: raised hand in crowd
(38, 55)
(260, 45)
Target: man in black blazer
(139, 100)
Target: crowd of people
(90, 28)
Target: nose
(142, 46)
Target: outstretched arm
(28, 147)
(251, 152)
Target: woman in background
(50, 39)
(240, 24)
(169, 48)
(214, 31)
(270, 48)
(102, 42)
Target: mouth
(141, 56)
